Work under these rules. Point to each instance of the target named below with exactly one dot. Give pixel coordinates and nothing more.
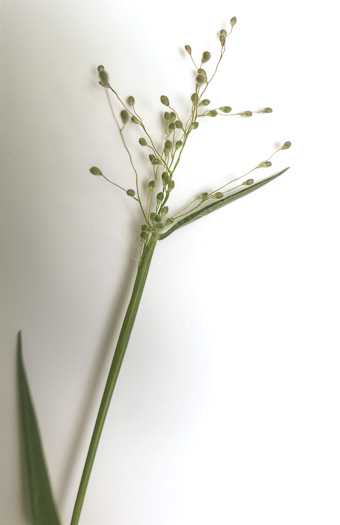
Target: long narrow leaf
(44, 511)
(218, 204)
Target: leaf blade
(218, 204)
(43, 507)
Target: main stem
(118, 357)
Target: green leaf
(218, 204)
(44, 511)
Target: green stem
(118, 357)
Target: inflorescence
(164, 161)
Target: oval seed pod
(166, 115)
(164, 211)
(157, 218)
(100, 68)
(124, 115)
(95, 171)
(286, 145)
(233, 21)
(168, 144)
(212, 113)
(172, 115)
(225, 109)
(200, 79)
(151, 185)
(178, 124)
(265, 164)
(248, 182)
(206, 56)
(144, 236)
(203, 196)
(172, 126)
(142, 142)
(130, 193)
(160, 196)
(165, 100)
(194, 99)
(194, 125)
(202, 72)
(171, 185)
(134, 120)
(204, 102)
(104, 78)
(188, 49)
(266, 110)
(222, 40)
(246, 114)
(131, 101)
(165, 178)
(223, 32)
(178, 144)
(217, 195)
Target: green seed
(178, 124)
(157, 218)
(233, 21)
(223, 32)
(248, 182)
(131, 101)
(165, 100)
(188, 49)
(206, 56)
(144, 236)
(212, 113)
(171, 185)
(200, 79)
(179, 144)
(134, 120)
(166, 115)
(217, 195)
(124, 115)
(204, 102)
(265, 164)
(168, 144)
(160, 196)
(286, 145)
(267, 110)
(194, 99)
(246, 114)
(194, 125)
(172, 126)
(95, 171)
(142, 142)
(130, 193)
(225, 109)
(203, 196)
(151, 185)
(164, 211)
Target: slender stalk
(118, 357)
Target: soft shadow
(111, 331)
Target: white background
(227, 406)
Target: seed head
(165, 100)
(168, 144)
(124, 115)
(200, 79)
(212, 113)
(95, 171)
(194, 99)
(165, 178)
(217, 195)
(266, 110)
(178, 124)
(188, 49)
(171, 185)
(233, 21)
(225, 109)
(104, 77)
(130, 193)
(206, 56)
(265, 164)
(160, 196)
(286, 145)
(194, 125)
(204, 102)
(142, 142)
(131, 101)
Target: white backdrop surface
(226, 410)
